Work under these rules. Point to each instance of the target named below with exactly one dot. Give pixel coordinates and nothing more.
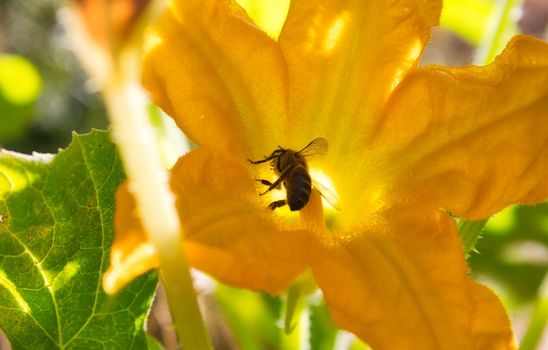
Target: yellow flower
(407, 145)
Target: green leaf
(56, 215)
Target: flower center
(319, 195)
(325, 186)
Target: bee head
(276, 155)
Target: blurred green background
(37, 60)
(45, 96)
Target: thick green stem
(155, 202)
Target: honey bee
(292, 170)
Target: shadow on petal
(230, 232)
(403, 284)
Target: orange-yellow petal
(403, 284)
(268, 14)
(131, 254)
(230, 232)
(471, 140)
(489, 321)
(345, 57)
(219, 76)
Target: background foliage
(55, 237)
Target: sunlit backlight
(69, 271)
(14, 179)
(335, 31)
(325, 186)
(268, 14)
(12, 289)
(151, 41)
(137, 262)
(412, 54)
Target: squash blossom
(408, 147)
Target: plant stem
(155, 202)
(297, 329)
(502, 27)
(293, 296)
(539, 318)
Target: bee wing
(316, 147)
(329, 195)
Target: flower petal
(472, 140)
(403, 284)
(268, 14)
(345, 57)
(219, 76)
(131, 254)
(230, 232)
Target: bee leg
(258, 161)
(276, 154)
(264, 182)
(274, 185)
(278, 182)
(277, 204)
(268, 183)
(266, 159)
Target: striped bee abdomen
(298, 187)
